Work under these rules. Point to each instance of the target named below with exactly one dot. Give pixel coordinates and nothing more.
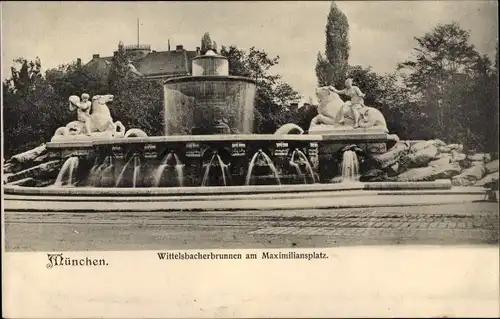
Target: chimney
(78, 61)
(198, 51)
(179, 47)
(95, 56)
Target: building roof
(153, 64)
(101, 66)
(166, 62)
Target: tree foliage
(331, 68)
(207, 44)
(455, 86)
(273, 94)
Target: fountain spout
(223, 166)
(67, 171)
(135, 159)
(302, 160)
(261, 154)
(167, 163)
(350, 166)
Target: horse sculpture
(101, 123)
(328, 118)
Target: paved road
(475, 223)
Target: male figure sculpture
(82, 110)
(356, 104)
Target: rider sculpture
(82, 110)
(335, 114)
(97, 123)
(356, 104)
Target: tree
(139, 104)
(120, 70)
(324, 71)
(74, 79)
(451, 80)
(332, 68)
(31, 108)
(272, 93)
(284, 94)
(441, 53)
(206, 43)
(27, 76)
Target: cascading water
(269, 163)
(107, 171)
(67, 171)
(93, 171)
(303, 160)
(137, 166)
(224, 170)
(297, 166)
(98, 171)
(350, 166)
(165, 165)
(135, 175)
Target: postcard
(250, 159)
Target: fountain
(350, 167)
(66, 176)
(209, 157)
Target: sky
(381, 33)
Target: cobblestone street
(475, 223)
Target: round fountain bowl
(210, 65)
(198, 105)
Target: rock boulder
(391, 156)
(470, 175)
(444, 149)
(442, 160)
(430, 173)
(457, 156)
(487, 179)
(373, 175)
(421, 145)
(456, 147)
(492, 166)
(480, 157)
(423, 156)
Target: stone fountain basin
(231, 198)
(188, 138)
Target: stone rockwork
(480, 157)
(429, 173)
(374, 175)
(492, 177)
(42, 171)
(393, 155)
(431, 160)
(492, 167)
(35, 167)
(470, 175)
(422, 156)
